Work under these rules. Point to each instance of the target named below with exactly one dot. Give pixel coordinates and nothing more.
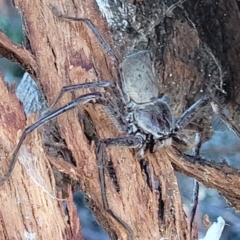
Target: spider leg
(76, 102)
(217, 110)
(128, 141)
(98, 84)
(191, 112)
(196, 183)
(110, 108)
(194, 203)
(90, 25)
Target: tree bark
(190, 47)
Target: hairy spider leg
(95, 31)
(217, 110)
(128, 141)
(97, 34)
(188, 116)
(76, 102)
(70, 88)
(107, 103)
(194, 202)
(90, 25)
(191, 112)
